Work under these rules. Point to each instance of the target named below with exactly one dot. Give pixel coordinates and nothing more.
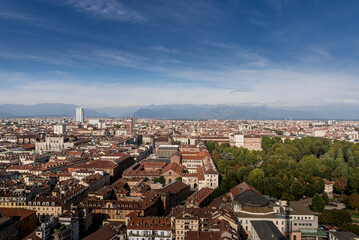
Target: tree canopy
(291, 169)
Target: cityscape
(179, 120)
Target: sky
(97, 53)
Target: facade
(26, 219)
(116, 211)
(149, 228)
(9, 229)
(53, 144)
(94, 121)
(80, 115)
(328, 188)
(60, 129)
(236, 139)
(251, 142)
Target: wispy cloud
(163, 49)
(107, 9)
(16, 16)
(277, 4)
(257, 21)
(322, 52)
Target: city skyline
(113, 53)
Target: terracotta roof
(326, 181)
(155, 223)
(17, 212)
(174, 167)
(201, 235)
(201, 195)
(103, 233)
(96, 164)
(175, 187)
(153, 164)
(241, 188)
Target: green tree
(221, 165)
(311, 190)
(354, 181)
(318, 203)
(351, 160)
(255, 178)
(160, 179)
(336, 218)
(341, 184)
(297, 190)
(267, 143)
(353, 201)
(242, 172)
(325, 198)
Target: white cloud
(163, 49)
(276, 88)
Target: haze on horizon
(98, 53)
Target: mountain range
(186, 111)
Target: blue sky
(98, 53)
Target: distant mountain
(44, 110)
(5, 115)
(218, 112)
(186, 111)
(336, 111)
(117, 111)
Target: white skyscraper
(79, 115)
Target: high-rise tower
(129, 126)
(80, 115)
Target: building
(190, 219)
(251, 142)
(116, 211)
(328, 187)
(111, 168)
(200, 198)
(9, 229)
(129, 126)
(80, 115)
(26, 219)
(149, 228)
(94, 121)
(318, 133)
(107, 232)
(70, 226)
(265, 230)
(236, 139)
(342, 236)
(60, 129)
(54, 144)
(203, 224)
(293, 219)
